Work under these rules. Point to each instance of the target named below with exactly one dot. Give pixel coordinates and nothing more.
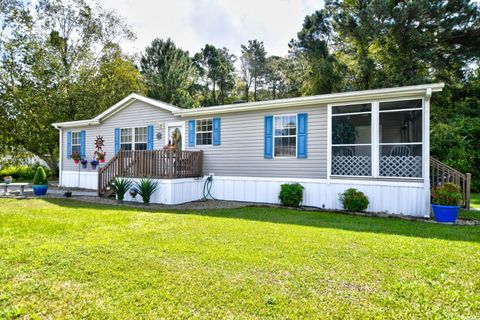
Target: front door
(174, 134)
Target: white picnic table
(22, 186)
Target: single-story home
(376, 141)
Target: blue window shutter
(117, 140)
(216, 132)
(268, 142)
(191, 133)
(69, 144)
(302, 136)
(82, 144)
(150, 137)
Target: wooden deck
(155, 164)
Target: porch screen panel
(352, 140)
(400, 141)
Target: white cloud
(224, 23)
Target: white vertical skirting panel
(406, 198)
(393, 197)
(87, 180)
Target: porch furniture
(22, 186)
(400, 151)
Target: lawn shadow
(320, 219)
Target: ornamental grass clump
(121, 186)
(354, 200)
(291, 195)
(447, 195)
(145, 188)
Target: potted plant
(76, 157)
(40, 185)
(100, 156)
(84, 163)
(7, 179)
(445, 202)
(94, 164)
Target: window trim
(79, 144)
(134, 141)
(196, 132)
(296, 136)
(375, 145)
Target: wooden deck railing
(441, 173)
(158, 164)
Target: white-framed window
(285, 136)
(133, 138)
(203, 132)
(76, 142)
(377, 139)
(351, 139)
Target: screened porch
(378, 139)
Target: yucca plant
(121, 186)
(145, 188)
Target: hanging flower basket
(84, 163)
(94, 164)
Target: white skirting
(87, 180)
(174, 191)
(395, 197)
(407, 198)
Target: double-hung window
(285, 136)
(352, 140)
(204, 131)
(133, 138)
(76, 142)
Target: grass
(66, 259)
(474, 212)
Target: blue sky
(193, 23)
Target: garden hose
(207, 187)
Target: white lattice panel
(406, 166)
(351, 165)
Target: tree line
(61, 60)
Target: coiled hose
(207, 187)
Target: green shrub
(145, 188)
(21, 172)
(291, 195)
(40, 176)
(447, 195)
(121, 186)
(354, 200)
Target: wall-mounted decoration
(99, 154)
(159, 136)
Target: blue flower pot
(40, 189)
(445, 214)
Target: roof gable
(125, 102)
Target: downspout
(426, 151)
(60, 155)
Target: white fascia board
(73, 124)
(398, 92)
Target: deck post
(467, 191)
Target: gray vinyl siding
(242, 146)
(137, 114)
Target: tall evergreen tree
(169, 73)
(254, 65)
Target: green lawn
(474, 204)
(66, 259)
